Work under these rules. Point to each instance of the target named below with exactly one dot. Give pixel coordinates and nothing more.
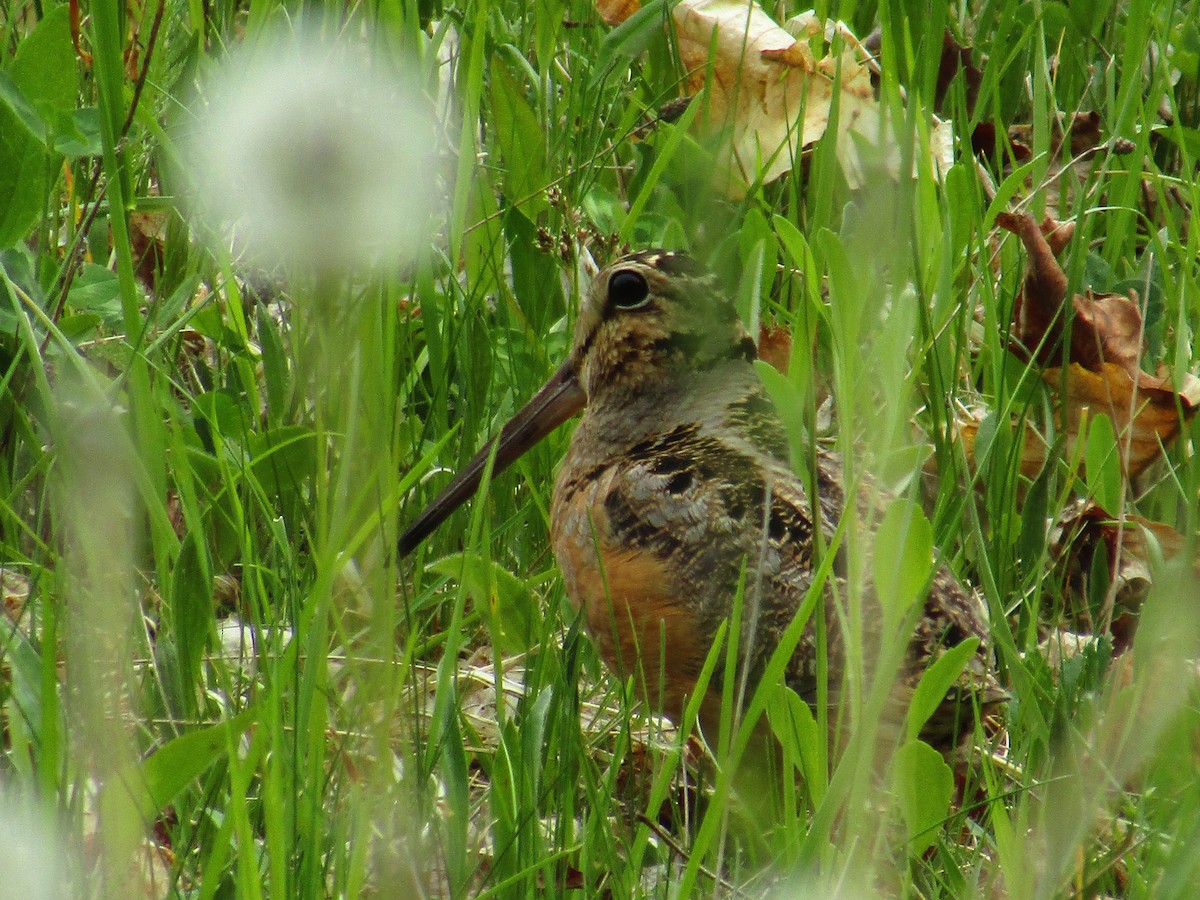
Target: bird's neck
(621, 416)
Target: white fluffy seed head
(307, 155)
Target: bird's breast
(630, 592)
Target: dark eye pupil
(628, 290)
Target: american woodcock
(677, 493)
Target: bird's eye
(628, 290)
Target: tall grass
(216, 677)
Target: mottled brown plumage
(677, 488)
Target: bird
(677, 495)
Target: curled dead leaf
(775, 346)
(775, 88)
(1073, 142)
(1103, 334)
(1102, 327)
(1082, 132)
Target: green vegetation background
(216, 679)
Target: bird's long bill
(560, 398)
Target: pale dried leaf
(14, 593)
(1062, 645)
(773, 88)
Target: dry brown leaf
(1105, 328)
(1082, 132)
(614, 12)
(775, 346)
(147, 237)
(955, 58)
(1146, 413)
(1083, 528)
(775, 94)
(1104, 346)
(14, 596)
(1033, 446)
(1073, 142)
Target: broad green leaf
(532, 734)
(39, 88)
(795, 728)
(521, 141)
(985, 437)
(23, 182)
(456, 781)
(924, 787)
(282, 459)
(77, 326)
(962, 203)
(44, 67)
(192, 614)
(605, 209)
(15, 103)
(514, 611)
(276, 373)
(16, 268)
(632, 36)
(759, 252)
(789, 403)
(798, 250)
(1016, 180)
(1034, 515)
(133, 800)
(80, 134)
(222, 412)
(535, 282)
(936, 682)
(1102, 460)
(903, 558)
(846, 291)
(97, 290)
(1097, 273)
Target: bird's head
(650, 318)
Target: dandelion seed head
(306, 154)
